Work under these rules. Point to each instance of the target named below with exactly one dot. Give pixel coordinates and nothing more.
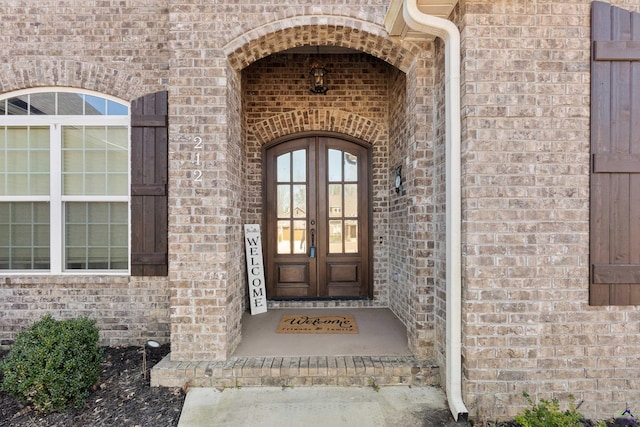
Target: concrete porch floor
(380, 333)
(378, 355)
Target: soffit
(396, 26)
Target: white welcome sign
(255, 269)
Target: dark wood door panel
(341, 272)
(332, 218)
(292, 273)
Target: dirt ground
(121, 398)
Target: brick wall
(209, 54)
(124, 51)
(198, 54)
(527, 322)
(400, 91)
(127, 311)
(112, 49)
(525, 86)
(104, 46)
(412, 223)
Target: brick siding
(115, 50)
(527, 322)
(527, 325)
(127, 311)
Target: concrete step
(360, 371)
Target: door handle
(312, 248)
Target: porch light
(317, 76)
(398, 179)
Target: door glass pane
(351, 200)
(335, 165)
(335, 200)
(299, 201)
(284, 201)
(350, 167)
(284, 167)
(299, 237)
(351, 236)
(284, 237)
(335, 236)
(291, 202)
(300, 166)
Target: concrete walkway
(316, 407)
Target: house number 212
(197, 173)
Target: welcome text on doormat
(309, 324)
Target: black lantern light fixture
(318, 75)
(398, 179)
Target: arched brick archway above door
(311, 30)
(318, 120)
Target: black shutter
(149, 177)
(615, 152)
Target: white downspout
(447, 30)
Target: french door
(317, 214)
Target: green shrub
(548, 414)
(52, 364)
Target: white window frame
(56, 199)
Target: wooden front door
(317, 214)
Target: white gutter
(445, 29)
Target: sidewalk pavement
(316, 407)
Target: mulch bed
(121, 398)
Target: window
(64, 182)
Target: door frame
(369, 228)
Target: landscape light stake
(152, 344)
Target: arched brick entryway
(393, 138)
(313, 30)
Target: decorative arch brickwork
(70, 73)
(318, 120)
(308, 30)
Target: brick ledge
(296, 372)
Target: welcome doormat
(312, 324)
